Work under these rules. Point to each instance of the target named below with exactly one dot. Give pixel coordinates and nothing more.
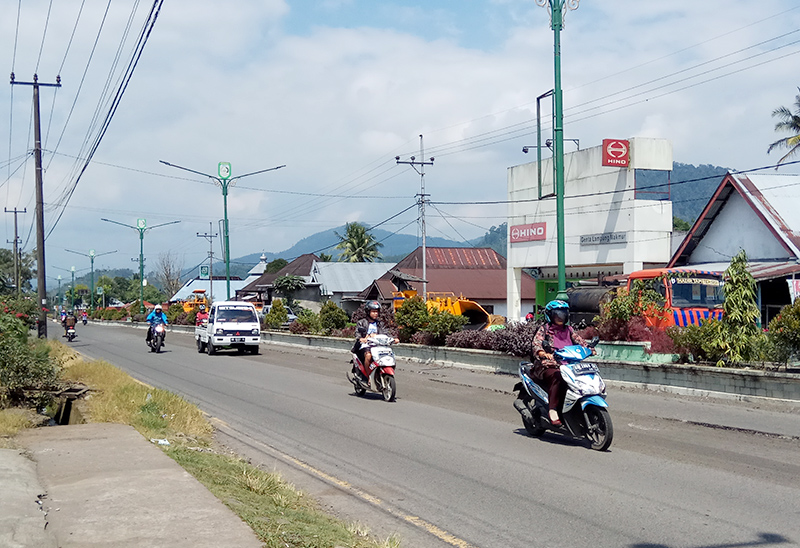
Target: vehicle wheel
(255, 350)
(532, 428)
(210, 348)
(601, 432)
(200, 346)
(360, 391)
(389, 388)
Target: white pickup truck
(231, 324)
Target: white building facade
(610, 225)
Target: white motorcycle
(585, 411)
(380, 377)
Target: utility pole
(41, 284)
(210, 237)
(17, 265)
(224, 179)
(422, 198)
(557, 9)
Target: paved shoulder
(23, 523)
(108, 486)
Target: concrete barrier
(693, 379)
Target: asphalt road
(448, 464)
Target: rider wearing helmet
(365, 328)
(201, 315)
(156, 317)
(553, 335)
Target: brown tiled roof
(454, 257)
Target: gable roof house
(759, 214)
(342, 283)
(479, 274)
(261, 289)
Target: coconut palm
(788, 122)
(357, 244)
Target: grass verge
(280, 515)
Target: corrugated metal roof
(335, 277)
(761, 270)
(454, 257)
(220, 288)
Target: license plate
(585, 369)
(237, 339)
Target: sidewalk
(106, 485)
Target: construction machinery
(477, 317)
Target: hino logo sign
(615, 152)
(528, 233)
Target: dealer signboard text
(605, 238)
(528, 233)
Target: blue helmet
(557, 309)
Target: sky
(335, 90)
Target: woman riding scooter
(553, 335)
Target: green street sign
(91, 253)
(224, 170)
(141, 223)
(204, 272)
(99, 290)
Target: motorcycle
(157, 333)
(70, 334)
(585, 411)
(380, 377)
(84, 321)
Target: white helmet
(158, 307)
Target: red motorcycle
(380, 376)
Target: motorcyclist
(69, 321)
(84, 317)
(202, 314)
(156, 317)
(366, 328)
(554, 334)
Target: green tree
(27, 272)
(277, 315)
(288, 285)
(275, 266)
(357, 244)
(325, 257)
(680, 225)
(788, 122)
(735, 334)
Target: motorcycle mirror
(594, 341)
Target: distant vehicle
(291, 315)
(230, 324)
(193, 301)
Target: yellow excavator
(194, 300)
(478, 318)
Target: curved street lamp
(91, 256)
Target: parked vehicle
(71, 334)
(291, 316)
(477, 316)
(230, 324)
(380, 376)
(157, 333)
(585, 411)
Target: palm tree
(325, 257)
(788, 122)
(357, 245)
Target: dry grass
(13, 420)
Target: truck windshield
(236, 315)
(696, 290)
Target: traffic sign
(141, 223)
(99, 290)
(204, 272)
(224, 170)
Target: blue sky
(336, 89)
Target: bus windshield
(697, 290)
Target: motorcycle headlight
(255, 332)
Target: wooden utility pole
(41, 284)
(210, 237)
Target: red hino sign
(528, 233)
(615, 152)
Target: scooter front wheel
(600, 430)
(389, 388)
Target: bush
(277, 315)
(310, 320)
(23, 365)
(515, 339)
(297, 328)
(348, 332)
(784, 332)
(423, 337)
(24, 308)
(412, 316)
(332, 317)
(441, 324)
(173, 312)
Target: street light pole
(224, 179)
(557, 9)
(72, 290)
(92, 257)
(141, 226)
